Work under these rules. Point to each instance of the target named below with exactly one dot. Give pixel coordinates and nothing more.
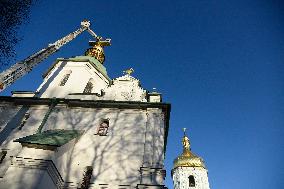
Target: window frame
(3, 154)
(103, 127)
(191, 181)
(89, 86)
(65, 78)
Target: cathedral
(82, 129)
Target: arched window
(89, 86)
(65, 78)
(103, 127)
(191, 181)
(87, 177)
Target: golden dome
(97, 52)
(187, 158)
(97, 49)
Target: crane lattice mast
(23, 67)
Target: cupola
(97, 49)
(187, 158)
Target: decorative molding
(126, 88)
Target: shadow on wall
(13, 123)
(47, 83)
(110, 156)
(115, 158)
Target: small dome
(187, 158)
(97, 52)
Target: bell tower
(189, 171)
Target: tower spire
(185, 142)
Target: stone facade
(130, 154)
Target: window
(89, 86)
(2, 156)
(191, 181)
(65, 78)
(88, 66)
(87, 177)
(103, 127)
(24, 120)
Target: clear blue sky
(219, 63)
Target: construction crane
(23, 67)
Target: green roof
(54, 138)
(99, 66)
(94, 62)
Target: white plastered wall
(26, 178)
(11, 132)
(181, 174)
(125, 88)
(7, 112)
(81, 73)
(116, 158)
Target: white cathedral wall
(181, 174)
(79, 77)
(20, 178)
(115, 158)
(7, 111)
(135, 138)
(11, 132)
(125, 88)
(36, 115)
(107, 152)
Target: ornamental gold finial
(97, 49)
(185, 141)
(128, 71)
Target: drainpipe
(53, 103)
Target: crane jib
(21, 68)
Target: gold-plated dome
(187, 158)
(97, 49)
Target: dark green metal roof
(93, 61)
(50, 137)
